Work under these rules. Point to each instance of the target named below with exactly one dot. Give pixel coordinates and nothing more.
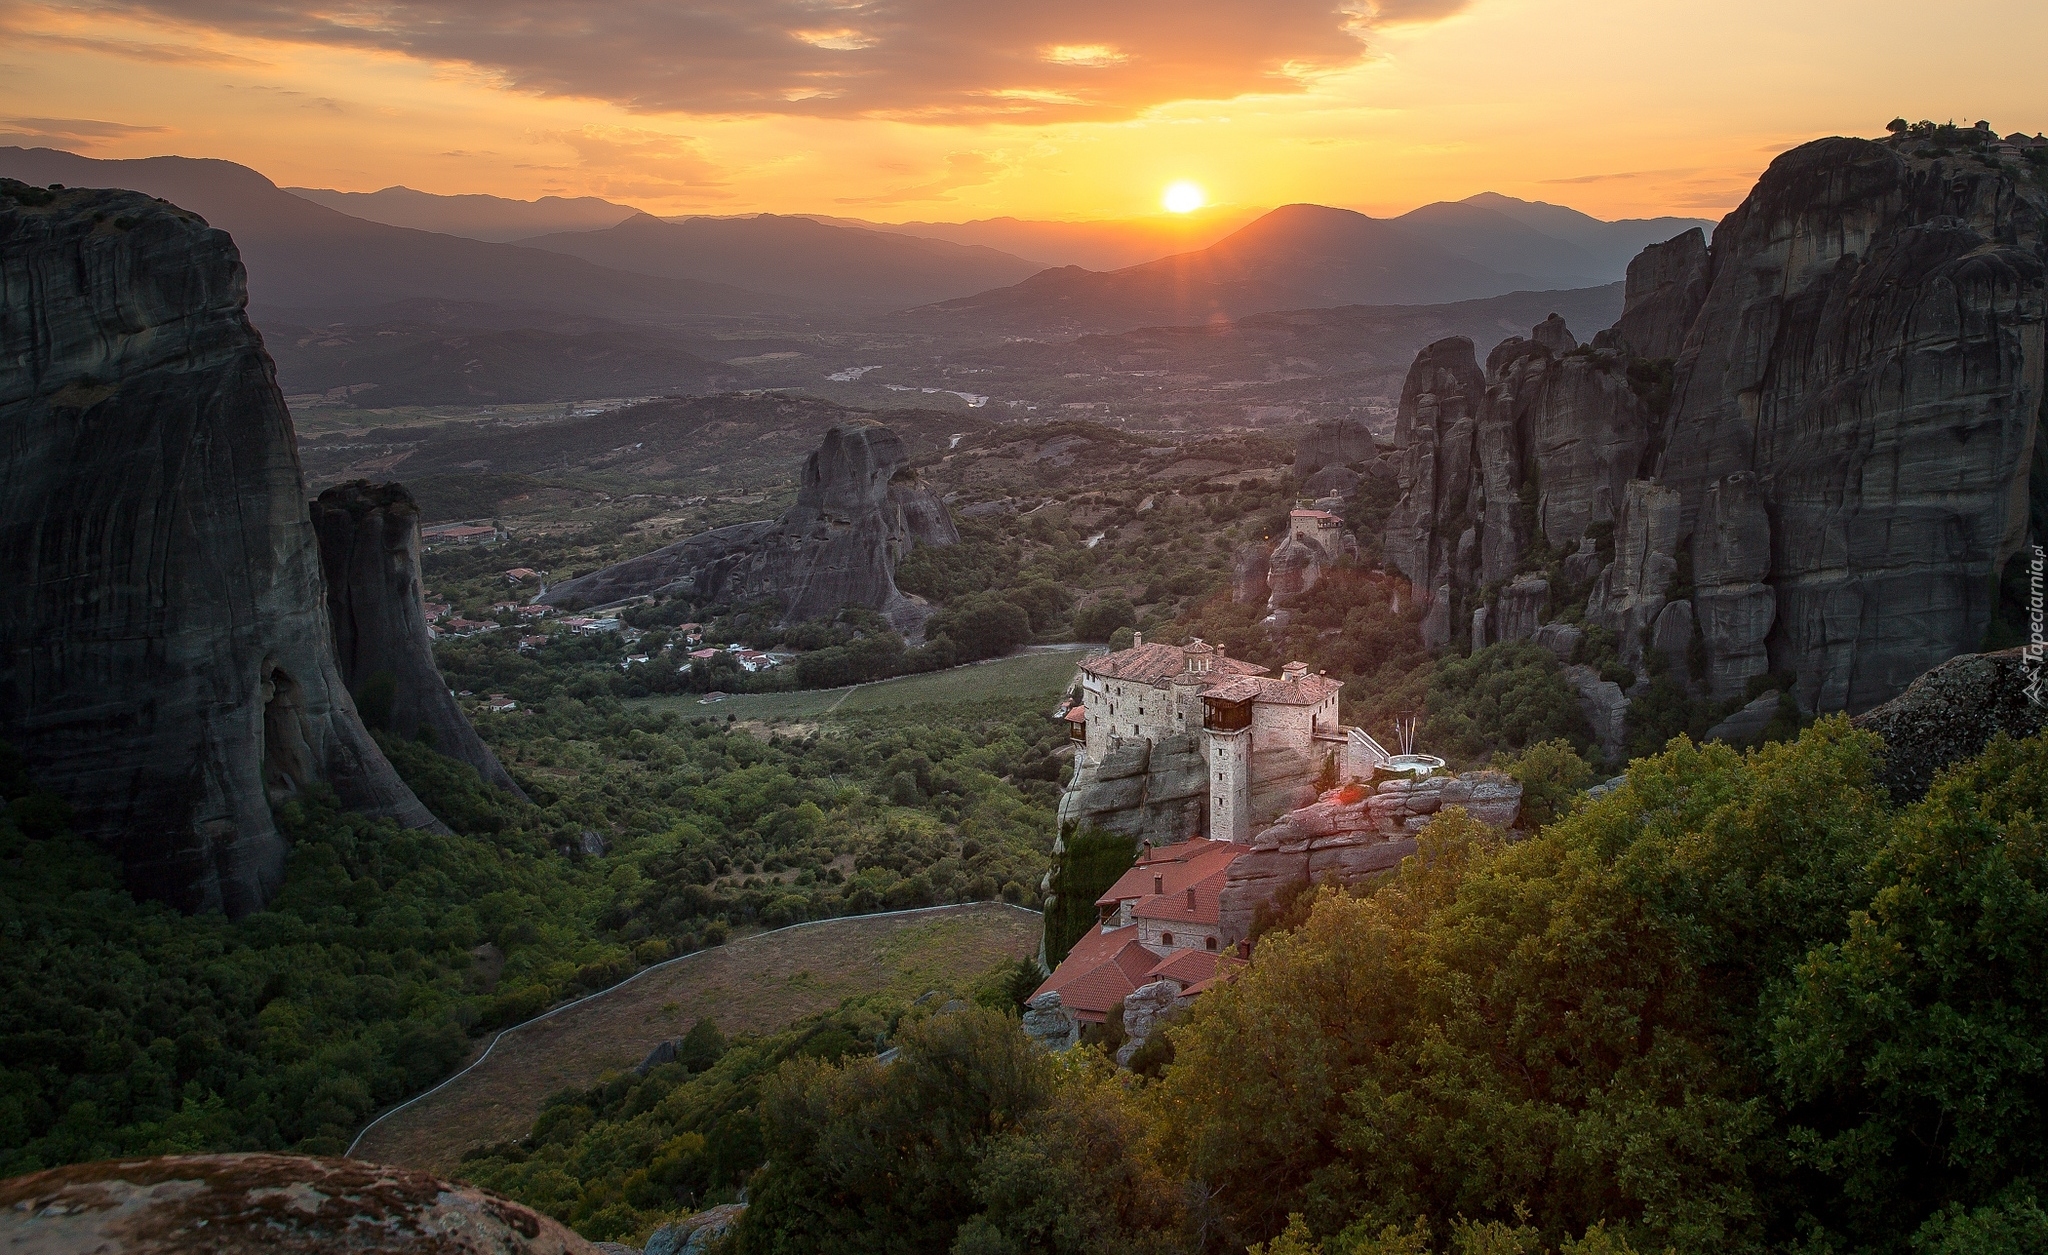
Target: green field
(1037, 675)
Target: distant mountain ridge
(307, 258)
(496, 219)
(797, 257)
(1313, 256)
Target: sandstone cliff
(858, 511)
(370, 554)
(1808, 449)
(168, 663)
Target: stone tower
(1230, 784)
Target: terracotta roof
(1313, 514)
(1152, 662)
(1172, 907)
(1309, 690)
(1227, 967)
(1189, 967)
(1076, 714)
(1102, 967)
(1173, 868)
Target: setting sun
(1183, 197)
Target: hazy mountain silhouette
(307, 258)
(1296, 257)
(1103, 244)
(1486, 238)
(495, 218)
(798, 257)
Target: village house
(520, 574)
(532, 642)
(1160, 920)
(498, 704)
(458, 533)
(534, 612)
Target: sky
(947, 110)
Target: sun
(1183, 197)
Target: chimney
(1137, 639)
(1191, 897)
(1294, 671)
(1158, 882)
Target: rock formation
(169, 667)
(1146, 1009)
(858, 511)
(1047, 1022)
(1952, 712)
(1353, 832)
(1333, 442)
(1812, 444)
(370, 553)
(266, 1205)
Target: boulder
(370, 553)
(169, 668)
(1744, 726)
(1293, 569)
(1332, 481)
(1047, 1022)
(1561, 639)
(664, 1053)
(1605, 706)
(1249, 585)
(1145, 1009)
(858, 512)
(1952, 712)
(268, 1204)
(1552, 334)
(694, 1234)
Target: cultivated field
(1038, 674)
(751, 984)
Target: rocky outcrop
(1333, 442)
(370, 553)
(1952, 712)
(1155, 790)
(1820, 433)
(1870, 348)
(858, 512)
(1667, 284)
(1605, 707)
(1047, 1022)
(695, 1234)
(1249, 571)
(169, 668)
(266, 1205)
(1747, 723)
(1352, 833)
(1146, 1009)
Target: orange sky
(955, 109)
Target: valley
(1355, 729)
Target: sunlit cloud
(966, 169)
(933, 61)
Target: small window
(1165, 939)
(1212, 943)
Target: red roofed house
(1159, 920)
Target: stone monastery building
(1261, 739)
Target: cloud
(70, 133)
(962, 170)
(125, 49)
(624, 161)
(920, 60)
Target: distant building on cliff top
(1183, 741)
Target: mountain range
(797, 257)
(315, 255)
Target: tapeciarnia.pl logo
(2037, 630)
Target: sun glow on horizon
(1183, 197)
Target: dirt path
(750, 985)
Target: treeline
(1742, 1003)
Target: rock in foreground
(168, 667)
(276, 1204)
(1951, 713)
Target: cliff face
(1812, 445)
(168, 664)
(1870, 349)
(369, 538)
(857, 514)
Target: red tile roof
(1076, 714)
(1309, 690)
(1175, 908)
(1152, 662)
(1102, 967)
(1171, 869)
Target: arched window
(1165, 939)
(1212, 943)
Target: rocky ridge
(858, 511)
(169, 666)
(1806, 449)
(370, 553)
(274, 1204)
